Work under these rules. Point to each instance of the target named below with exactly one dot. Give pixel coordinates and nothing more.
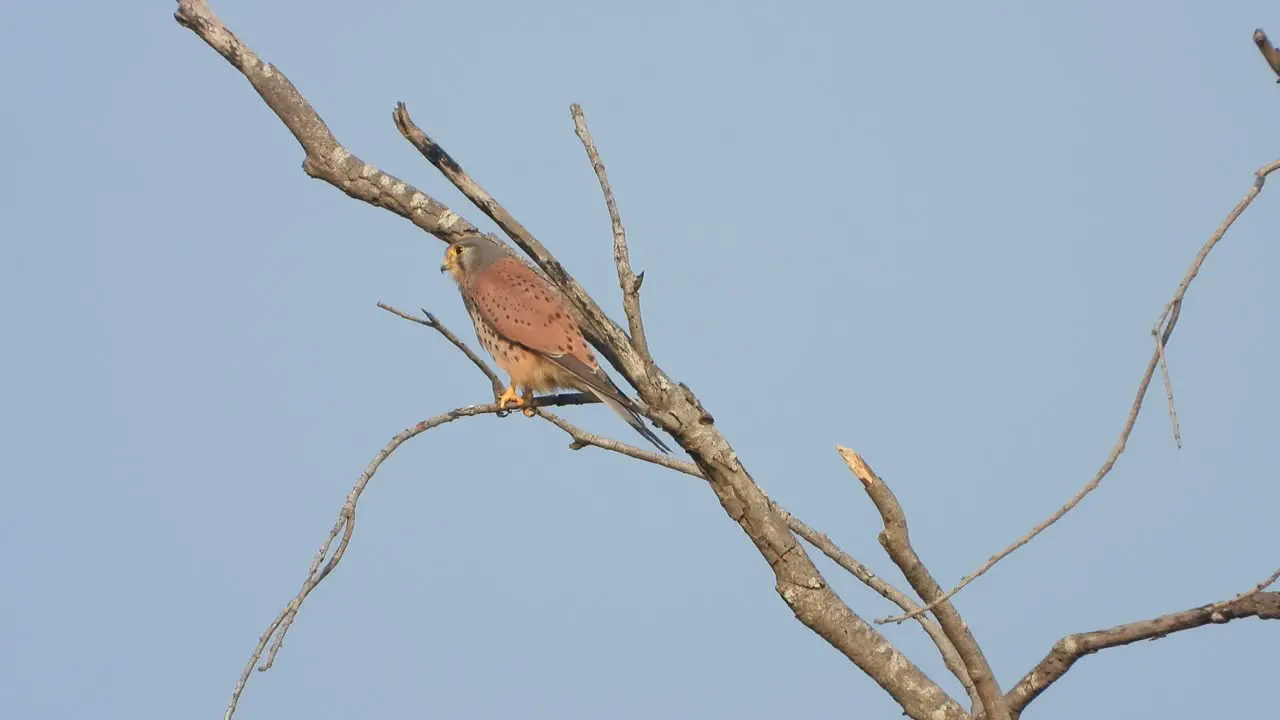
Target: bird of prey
(525, 323)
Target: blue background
(936, 233)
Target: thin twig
(344, 526)
(582, 438)
(1168, 388)
(434, 323)
(1269, 53)
(1071, 648)
(627, 280)
(326, 158)
(1168, 320)
(896, 541)
(1267, 582)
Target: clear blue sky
(936, 233)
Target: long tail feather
(598, 383)
(631, 418)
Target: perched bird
(525, 323)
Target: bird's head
(468, 256)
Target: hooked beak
(444, 267)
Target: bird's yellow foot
(510, 397)
(527, 403)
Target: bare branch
(582, 438)
(897, 542)
(1168, 388)
(1073, 647)
(326, 159)
(1164, 329)
(627, 280)
(434, 323)
(819, 540)
(344, 526)
(1268, 52)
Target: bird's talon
(510, 397)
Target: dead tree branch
(326, 159)
(627, 280)
(896, 541)
(1071, 648)
(432, 322)
(1269, 52)
(671, 405)
(1168, 388)
(1164, 329)
(582, 439)
(344, 527)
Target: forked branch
(896, 540)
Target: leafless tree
(674, 407)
